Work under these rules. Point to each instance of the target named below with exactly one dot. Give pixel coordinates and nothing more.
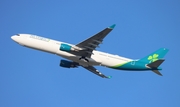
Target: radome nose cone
(12, 37)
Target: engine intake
(68, 64)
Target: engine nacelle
(68, 64)
(68, 48)
(65, 47)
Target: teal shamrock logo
(153, 58)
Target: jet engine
(65, 47)
(68, 48)
(68, 64)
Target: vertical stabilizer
(155, 59)
(159, 54)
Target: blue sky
(31, 78)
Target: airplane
(84, 54)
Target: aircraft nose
(14, 37)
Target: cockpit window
(18, 34)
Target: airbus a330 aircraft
(85, 54)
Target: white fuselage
(53, 46)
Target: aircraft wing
(93, 42)
(95, 71)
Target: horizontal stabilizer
(157, 72)
(156, 63)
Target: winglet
(112, 26)
(109, 77)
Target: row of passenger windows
(113, 56)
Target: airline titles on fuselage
(40, 38)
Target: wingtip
(109, 77)
(112, 26)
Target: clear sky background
(30, 78)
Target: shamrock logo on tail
(153, 58)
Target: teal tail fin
(159, 54)
(155, 59)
